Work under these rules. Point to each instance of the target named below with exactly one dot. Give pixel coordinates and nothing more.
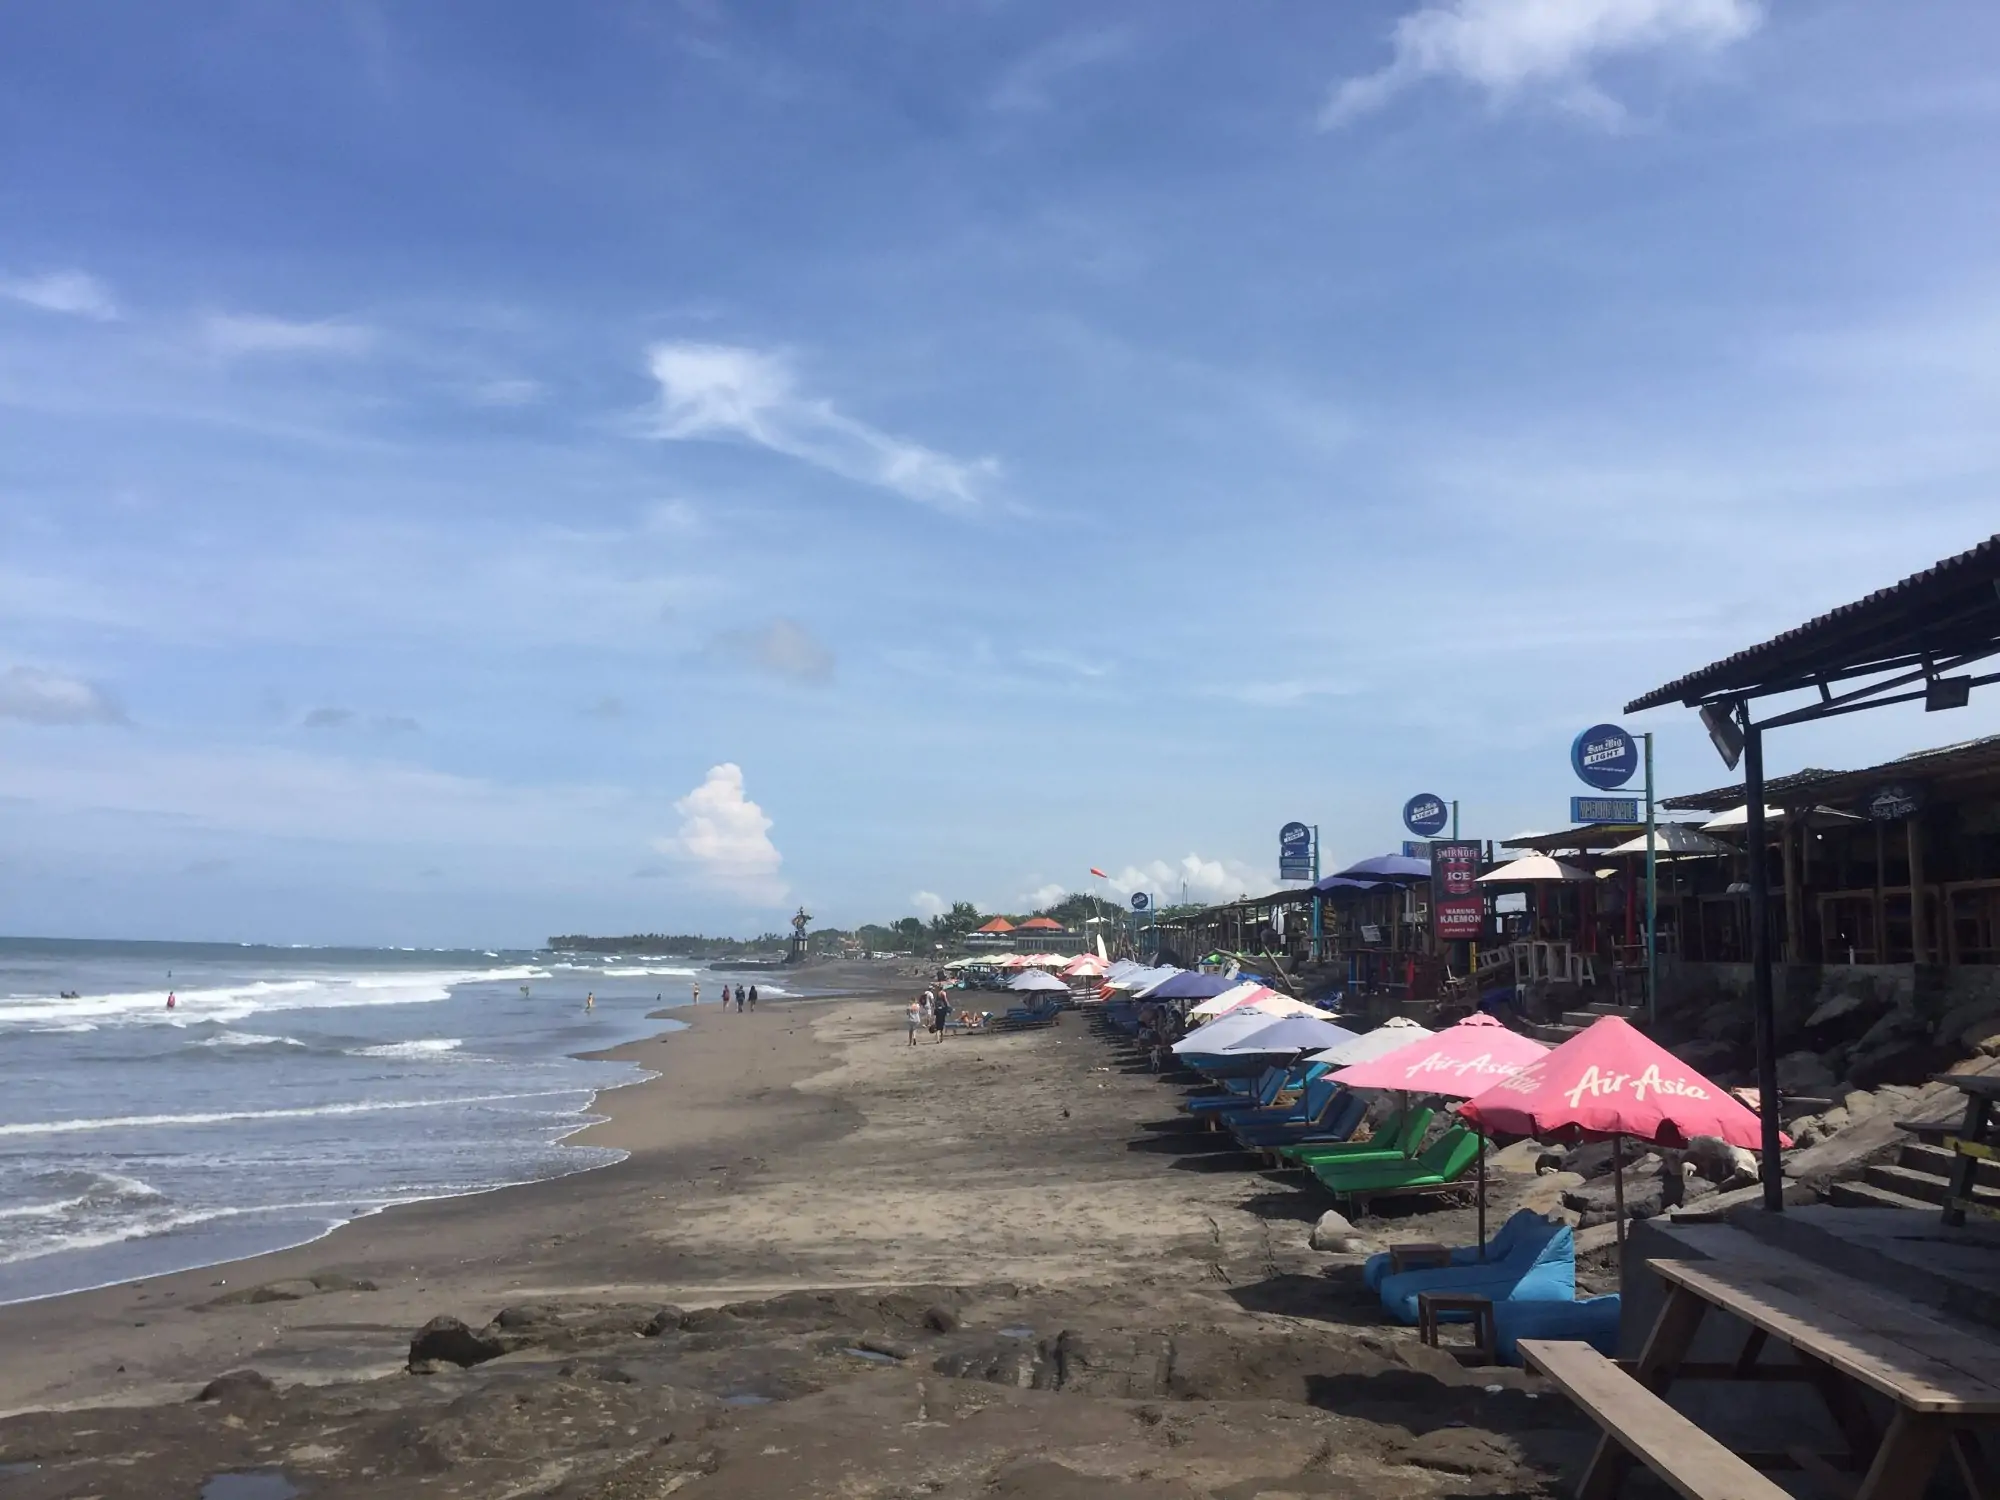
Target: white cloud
(1512, 47)
(234, 334)
(728, 837)
(719, 391)
(39, 697)
(1192, 878)
(929, 904)
(1025, 87)
(76, 293)
(783, 648)
(1047, 895)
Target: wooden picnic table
(1942, 1382)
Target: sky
(472, 472)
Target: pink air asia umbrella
(1458, 1062)
(1607, 1082)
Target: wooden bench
(1632, 1417)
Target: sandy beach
(831, 1264)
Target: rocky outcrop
(447, 1341)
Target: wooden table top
(1894, 1345)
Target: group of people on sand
(741, 995)
(930, 1011)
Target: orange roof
(1042, 924)
(998, 924)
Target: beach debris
(446, 1340)
(888, 1348)
(940, 1319)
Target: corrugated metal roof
(1940, 609)
(1813, 786)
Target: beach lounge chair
(1338, 1115)
(1590, 1320)
(1305, 1104)
(1522, 1226)
(1539, 1265)
(1397, 1139)
(1440, 1166)
(1241, 1093)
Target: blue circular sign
(1605, 756)
(1295, 836)
(1425, 815)
(1140, 901)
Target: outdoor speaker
(1946, 692)
(1724, 732)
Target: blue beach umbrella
(1294, 1034)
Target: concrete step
(1863, 1195)
(1606, 1008)
(1938, 1162)
(1590, 1015)
(1555, 1036)
(1908, 1183)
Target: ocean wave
(148, 1225)
(230, 1003)
(97, 1190)
(648, 973)
(247, 1039)
(72, 1029)
(435, 1046)
(224, 1117)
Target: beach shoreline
(634, 1117)
(832, 1263)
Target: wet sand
(1055, 1269)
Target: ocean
(289, 1090)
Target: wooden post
(1919, 938)
(1881, 910)
(1795, 926)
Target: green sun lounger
(1441, 1165)
(1397, 1140)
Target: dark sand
(1067, 1294)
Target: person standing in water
(590, 1001)
(697, 991)
(170, 999)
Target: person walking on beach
(913, 1018)
(697, 991)
(753, 997)
(943, 1004)
(739, 999)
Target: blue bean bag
(1524, 1223)
(1594, 1320)
(1539, 1266)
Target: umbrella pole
(1618, 1189)
(1482, 1195)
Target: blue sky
(471, 472)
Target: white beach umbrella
(1738, 818)
(1397, 1031)
(1228, 1000)
(1533, 869)
(1675, 841)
